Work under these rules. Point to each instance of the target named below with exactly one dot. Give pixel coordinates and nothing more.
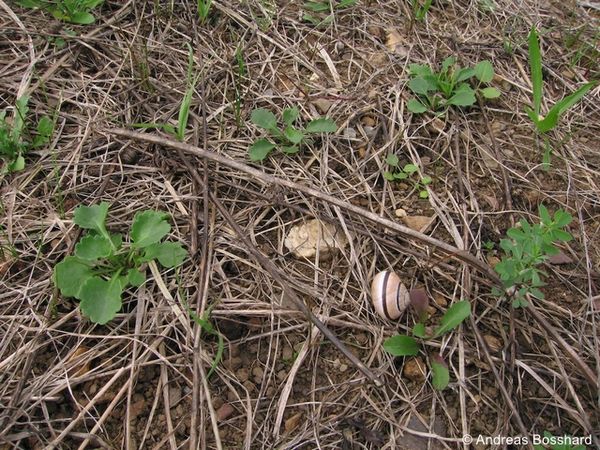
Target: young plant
(14, 137)
(546, 123)
(322, 11)
(103, 266)
(437, 91)
(405, 173)
(526, 248)
(420, 9)
(289, 139)
(73, 11)
(204, 9)
(402, 345)
(184, 109)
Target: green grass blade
(535, 65)
(570, 100)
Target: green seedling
(208, 328)
(403, 345)
(103, 266)
(420, 8)
(184, 109)
(289, 139)
(437, 91)
(548, 441)
(525, 249)
(321, 12)
(73, 11)
(204, 9)
(15, 139)
(405, 173)
(239, 88)
(544, 124)
(489, 245)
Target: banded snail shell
(389, 296)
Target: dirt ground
(141, 381)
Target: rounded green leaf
(70, 274)
(293, 135)
(484, 71)
(455, 315)
(168, 254)
(464, 97)
(401, 346)
(100, 299)
(322, 125)
(426, 180)
(410, 168)
(419, 330)
(92, 217)
(93, 247)
(440, 376)
(388, 176)
(135, 277)
(423, 194)
(290, 115)
(290, 149)
(81, 18)
(392, 160)
(260, 150)
(149, 227)
(490, 92)
(415, 106)
(264, 118)
(419, 86)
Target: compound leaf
(101, 299)
(149, 227)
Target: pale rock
(418, 223)
(305, 239)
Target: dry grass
(140, 381)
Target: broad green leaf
(260, 150)
(290, 115)
(423, 194)
(535, 118)
(290, 149)
(100, 299)
(416, 107)
(464, 74)
(388, 176)
(346, 3)
(419, 86)
(440, 376)
(448, 62)
(135, 277)
(462, 98)
(321, 125)
(419, 330)
(455, 315)
(548, 123)
(148, 227)
(92, 217)
(562, 218)
(45, 127)
(484, 71)
(426, 180)
(401, 346)
(420, 70)
(81, 18)
(293, 135)
(410, 168)
(400, 176)
(490, 92)
(17, 165)
(168, 254)
(264, 118)
(535, 66)
(560, 235)
(392, 160)
(20, 114)
(70, 274)
(544, 215)
(93, 247)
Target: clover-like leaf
(440, 376)
(149, 227)
(322, 125)
(92, 217)
(400, 345)
(93, 247)
(260, 150)
(263, 118)
(168, 254)
(101, 299)
(455, 315)
(70, 274)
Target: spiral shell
(389, 296)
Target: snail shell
(390, 297)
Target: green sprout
(405, 173)
(72, 11)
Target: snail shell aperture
(390, 297)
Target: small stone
(234, 349)
(350, 133)
(418, 223)
(414, 369)
(306, 239)
(224, 412)
(368, 121)
(217, 402)
(287, 353)
(440, 300)
(362, 151)
(343, 367)
(258, 372)
(233, 363)
(242, 375)
(493, 343)
(292, 423)
(282, 375)
(361, 338)
(437, 125)
(400, 213)
(323, 105)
